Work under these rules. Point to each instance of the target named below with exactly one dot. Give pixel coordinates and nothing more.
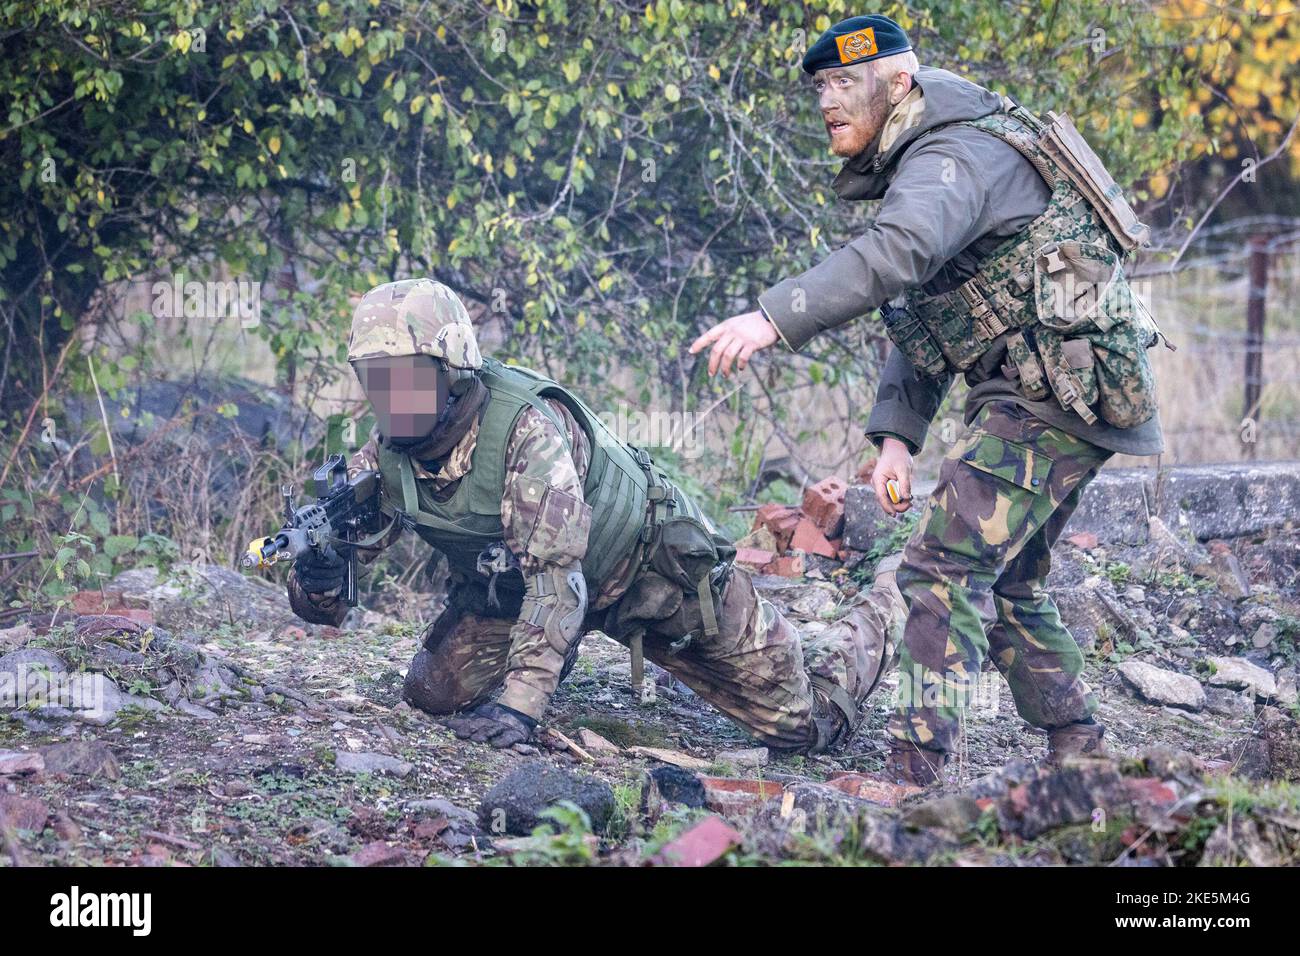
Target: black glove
(502, 727)
(320, 574)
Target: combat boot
(915, 766)
(868, 635)
(1080, 739)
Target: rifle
(329, 525)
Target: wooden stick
(31, 415)
(569, 745)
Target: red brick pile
(94, 603)
(792, 533)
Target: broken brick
(732, 795)
(781, 520)
(706, 842)
(824, 504)
(786, 566)
(809, 539)
(754, 557)
(867, 787)
(1149, 791)
(105, 602)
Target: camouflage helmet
(414, 317)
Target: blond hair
(888, 67)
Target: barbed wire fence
(1231, 391)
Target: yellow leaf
(671, 93)
(273, 144)
(715, 72)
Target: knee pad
(556, 601)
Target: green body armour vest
(1074, 327)
(469, 522)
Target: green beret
(856, 40)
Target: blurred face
(407, 394)
(854, 106)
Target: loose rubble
(227, 732)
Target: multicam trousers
(789, 690)
(973, 578)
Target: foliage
(1249, 89)
(598, 181)
(598, 175)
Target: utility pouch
(1072, 286)
(694, 558)
(1071, 372)
(1072, 154)
(1125, 382)
(906, 330)
(1023, 366)
(1093, 334)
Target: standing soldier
(996, 253)
(553, 527)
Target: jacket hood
(948, 99)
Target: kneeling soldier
(553, 527)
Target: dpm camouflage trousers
(793, 690)
(973, 576)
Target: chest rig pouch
(1055, 293)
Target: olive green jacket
(945, 205)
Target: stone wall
(1205, 501)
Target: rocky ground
(231, 733)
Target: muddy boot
(914, 766)
(836, 715)
(1081, 739)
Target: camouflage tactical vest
(468, 524)
(1055, 292)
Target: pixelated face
(407, 393)
(854, 106)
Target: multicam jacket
(537, 454)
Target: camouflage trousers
(973, 578)
(791, 691)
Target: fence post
(1255, 303)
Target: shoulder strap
(1019, 129)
